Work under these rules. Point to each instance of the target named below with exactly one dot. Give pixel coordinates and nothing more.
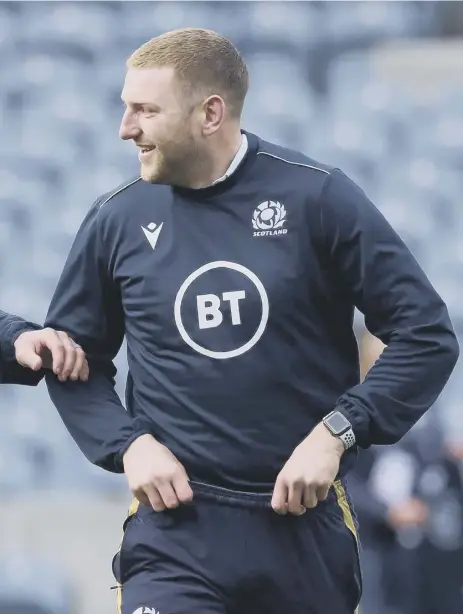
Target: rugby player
(233, 266)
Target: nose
(129, 128)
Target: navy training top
(237, 303)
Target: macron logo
(152, 232)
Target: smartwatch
(339, 426)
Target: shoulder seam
(315, 168)
(118, 191)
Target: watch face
(338, 423)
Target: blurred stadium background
(373, 87)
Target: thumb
(30, 359)
(280, 497)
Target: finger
(69, 356)
(280, 497)
(295, 495)
(36, 363)
(182, 487)
(322, 491)
(84, 372)
(79, 362)
(168, 495)
(52, 341)
(309, 499)
(154, 498)
(141, 497)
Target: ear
(213, 114)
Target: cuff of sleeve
(359, 419)
(14, 373)
(12, 333)
(118, 461)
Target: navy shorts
(228, 552)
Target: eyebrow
(152, 105)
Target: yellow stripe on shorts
(119, 598)
(132, 510)
(343, 503)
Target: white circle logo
(263, 298)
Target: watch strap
(348, 439)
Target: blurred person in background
(27, 350)
(409, 501)
(431, 535)
(233, 266)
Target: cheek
(152, 128)
(172, 141)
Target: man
(233, 267)
(27, 349)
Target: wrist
(340, 428)
(334, 442)
(323, 435)
(338, 444)
(128, 445)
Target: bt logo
(220, 312)
(209, 313)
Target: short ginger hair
(203, 61)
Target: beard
(175, 163)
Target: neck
(218, 160)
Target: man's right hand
(156, 478)
(51, 349)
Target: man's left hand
(309, 473)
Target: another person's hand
(410, 513)
(309, 473)
(51, 349)
(155, 476)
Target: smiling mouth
(145, 153)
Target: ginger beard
(172, 162)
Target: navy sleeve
(87, 305)
(10, 371)
(379, 275)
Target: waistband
(243, 499)
(238, 498)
